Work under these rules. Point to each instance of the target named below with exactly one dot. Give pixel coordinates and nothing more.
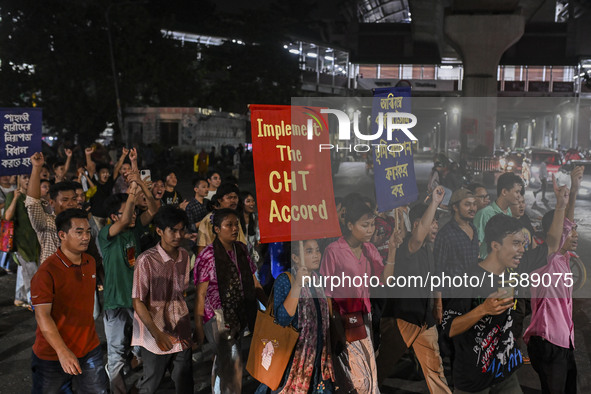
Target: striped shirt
(44, 225)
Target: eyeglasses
(483, 197)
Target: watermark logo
(311, 126)
(401, 121)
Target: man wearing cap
(456, 250)
(417, 313)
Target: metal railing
(480, 165)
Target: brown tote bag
(271, 348)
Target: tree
(66, 44)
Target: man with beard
(550, 335)
(456, 245)
(456, 251)
(162, 326)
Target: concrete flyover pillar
(481, 40)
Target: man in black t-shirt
(480, 320)
(104, 187)
(171, 196)
(480, 324)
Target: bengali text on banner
(21, 137)
(394, 172)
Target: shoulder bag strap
(270, 303)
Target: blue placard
(21, 137)
(394, 171)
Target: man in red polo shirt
(66, 346)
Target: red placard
(295, 196)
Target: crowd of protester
(98, 240)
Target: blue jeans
(118, 330)
(4, 260)
(49, 377)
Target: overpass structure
(517, 49)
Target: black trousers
(544, 183)
(155, 366)
(555, 365)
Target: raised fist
(438, 194)
(37, 159)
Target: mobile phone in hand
(146, 175)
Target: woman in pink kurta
(354, 256)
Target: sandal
(23, 304)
